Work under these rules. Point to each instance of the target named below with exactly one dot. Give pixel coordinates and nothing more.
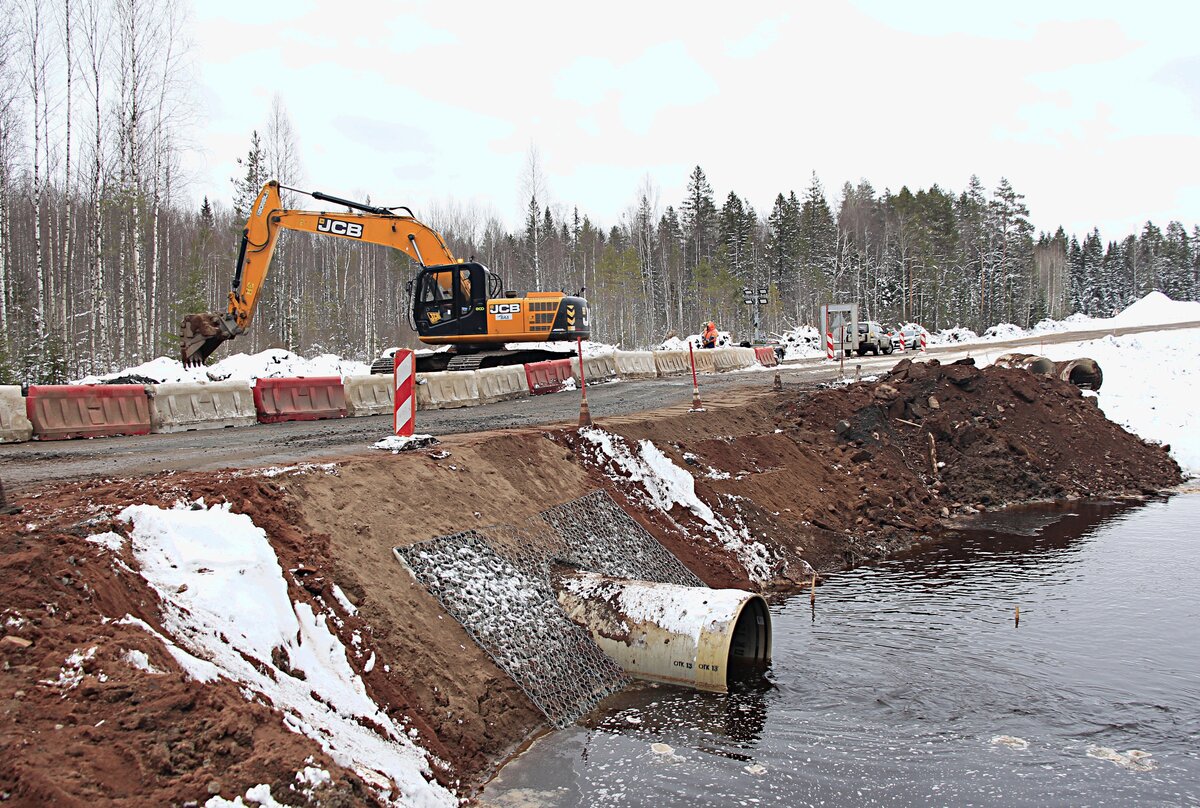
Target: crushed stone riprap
(496, 582)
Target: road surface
(29, 464)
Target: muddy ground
(830, 478)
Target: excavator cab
(451, 300)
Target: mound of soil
(929, 440)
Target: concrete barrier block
(601, 368)
(672, 363)
(63, 411)
(550, 376)
(447, 390)
(183, 406)
(733, 358)
(369, 394)
(313, 398)
(635, 364)
(705, 361)
(15, 426)
(502, 384)
(766, 356)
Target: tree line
(99, 260)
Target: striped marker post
(902, 340)
(923, 338)
(829, 345)
(403, 408)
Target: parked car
(912, 335)
(871, 338)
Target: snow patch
(139, 659)
(343, 601)
(665, 485)
(397, 443)
(226, 603)
(113, 541)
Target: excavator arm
(201, 334)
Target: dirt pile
(95, 710)
(929, 440)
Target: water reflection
(893, 688)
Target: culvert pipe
(1083, 373)
(667, 633)
(1034, 364)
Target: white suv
(872, 337)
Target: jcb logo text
(339, 228)
(505, 308)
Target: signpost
(840, 318)
(758, 300)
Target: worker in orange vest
(709, 338)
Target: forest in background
(99, 261)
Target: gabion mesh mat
(495, 581)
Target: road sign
(762, 301)
(747, 300)
(762, 290)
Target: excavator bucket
(199, 336)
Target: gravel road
(28, 464)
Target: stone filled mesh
(495, 581)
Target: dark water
(895, 688)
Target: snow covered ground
(1153, 309)
(227, 614)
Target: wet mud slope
(762, 484)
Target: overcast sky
(1091, 109)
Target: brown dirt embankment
(830, 478)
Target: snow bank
(273, 363)
(802, 342)
(1157, 308)
(724, 338)
(1149, 381)
(665, 485)
(227, 609)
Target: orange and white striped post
(902, 340)
(403, 409)
(923, 338)
(829, 345)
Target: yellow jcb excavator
(450, 302)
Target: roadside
(27, 464)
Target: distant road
(29, 464)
